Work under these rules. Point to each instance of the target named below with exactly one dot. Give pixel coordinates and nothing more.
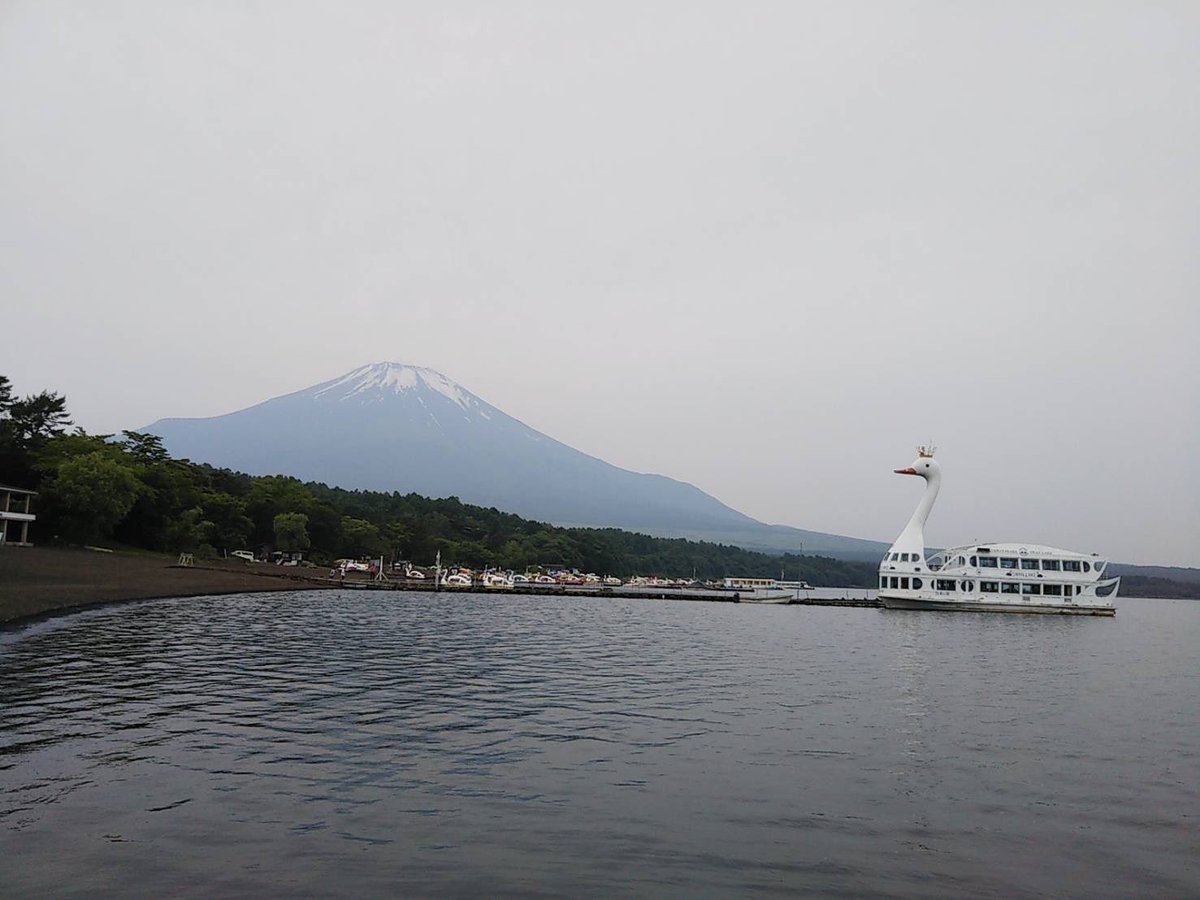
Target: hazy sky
(762, 247)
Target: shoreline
(37, 583)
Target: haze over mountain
(393, 427)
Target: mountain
(393, 427)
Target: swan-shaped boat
(988, 576)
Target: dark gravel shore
(35, 581)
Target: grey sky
(765, 248)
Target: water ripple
(349, 744)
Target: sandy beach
(35, 581)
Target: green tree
(291, 532)
(172, 492)
(25, 427)
(360, 538)
(90, 494)
(271, 495)
(225, 521)
(186, 531)
(145, 448)
(397, 537)
(38, 417)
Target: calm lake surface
(352, 744)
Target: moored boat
(988, 576)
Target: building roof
(16, 490)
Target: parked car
(244, 554)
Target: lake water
(351, 744)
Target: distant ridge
(395, 427)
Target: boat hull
(1074, 609)
(779, 598)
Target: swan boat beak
(909, 471)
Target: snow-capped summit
(372, 382)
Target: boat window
(1008, 562)
(944, 584)
(918, 584)
(904, 583)
(1070, 565)
(1029, 564)
(1087, 567)
(1050, 565)
(974, 560)
(961, 561)
(967, 585)
(987, 562)
(1029, 588)
(990, 587)
(1010, 588)
(1052, 590)
(883, 581)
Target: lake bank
(36, 581)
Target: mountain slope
(389, 426)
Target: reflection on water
(350, 744)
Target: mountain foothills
(393, 427)
(129, 491)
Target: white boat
(987, 576)
(775, 597)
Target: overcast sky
(762, 247)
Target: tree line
(126, 490)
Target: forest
(126, 491)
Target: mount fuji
(394, 427)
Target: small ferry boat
(988, 576)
